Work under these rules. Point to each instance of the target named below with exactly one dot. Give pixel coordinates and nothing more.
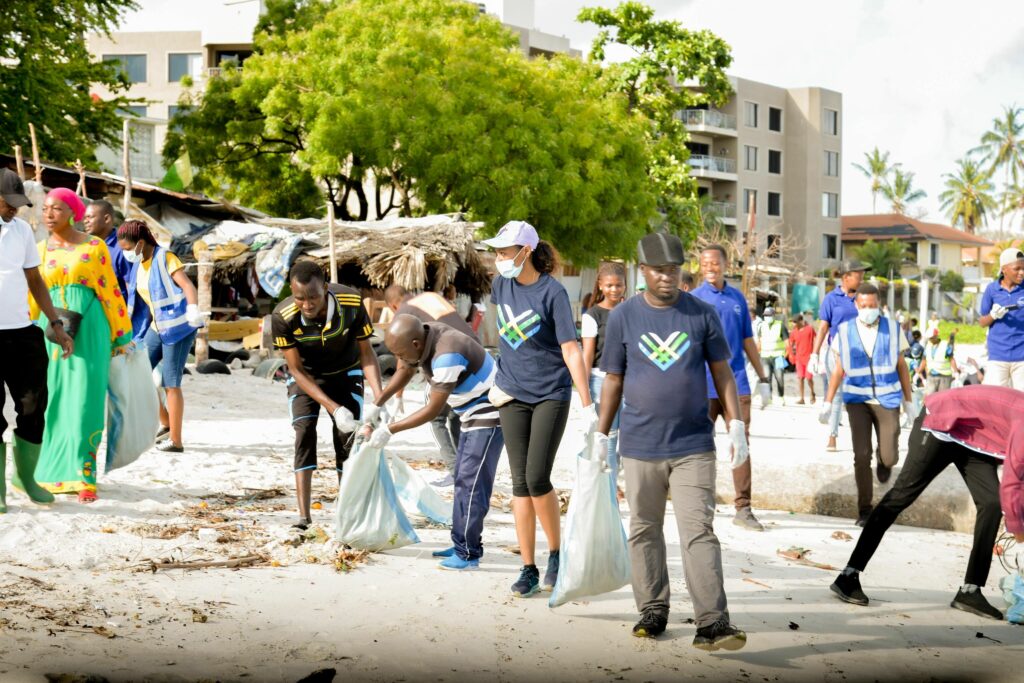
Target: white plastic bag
(417, 495)
(369, 516)
(132, 409)
(594, 557)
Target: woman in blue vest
(167, 318)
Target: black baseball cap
(660, 249)
(851, 266)
(12, 189)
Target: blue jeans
(596, 382)
(173, 356)
(837, 402)
(475, 464)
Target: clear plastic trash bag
(417, 495)
(369, 515)
(133, 409)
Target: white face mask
(769, 319)
(132, 256)
(868, 316)
(508, 268)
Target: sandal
(86, 496)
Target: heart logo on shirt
(664, 353)
(517, 328)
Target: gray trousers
(691, 480)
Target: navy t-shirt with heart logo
(533, 323)
(661, 354)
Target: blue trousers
(476, 462)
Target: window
(774, 246)
(132, 66)
(830, 204)
(832, 164)
(830, 122)
(137, 110)
(774, 161)
(748, 197)
(749, 158)
(775, 119)
(184, 64)
(774, 203)
(912, 252)
(750, 114)
(933, 254)
(829, 247)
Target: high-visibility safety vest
(871, 377)
(167, 299)
(938, 359)
(771, 339)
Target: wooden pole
(125, 162)
(35, 154)
(330, 240)
(749, 248)
(19, 162)
(205, 287)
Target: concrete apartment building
(783, 146)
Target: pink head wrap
(73, 201)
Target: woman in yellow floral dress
(78, 272)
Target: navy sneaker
(651, 625)
(720, 635)
(528, 583)
(551, 573)
(457, 564)
(447, 552)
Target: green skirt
(77, 407)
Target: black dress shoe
(975, 603)
(883, 473)
(847, 588)
(862, 518)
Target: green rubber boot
(26, 455)
(3, 477)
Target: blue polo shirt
(734, 313)
(121, 266)
(1006, 335)
(836, 309)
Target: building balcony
(709, 121)
(725, 211)
(713, 168)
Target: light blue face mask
(508, 268)
(868, 316)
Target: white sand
(399, 618)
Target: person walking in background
(657, 343)
(803, 343)
(874, 381)
(938, 365)
(686, 281)
(540, 361)
(80, 277)
(771, 345)
(838, 307)
(23, 368)
(975, 429)
(99, 222)
(159, 285)
(734, 316)
(915, 359)
(1002, 312)
(609, 292)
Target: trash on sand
(198, 617)
(756, 582)
(841, 536)
(234, 563)
(799, 555)
(348, 558)
(793, 626)
(979, 634)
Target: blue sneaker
(457, 564)
(447, 552)
(551, 574)
(528, 583)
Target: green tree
(666, 56)
(876, 168)
(1003, 147)
(900, 191)
(967, 198)
(885, 259)
(46, 74)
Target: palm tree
(968, 195)
(900, 192)
(885, 259)
(877, 169)
(1012, 201)
(1003, 146)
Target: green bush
(951, 281)
(965, 334)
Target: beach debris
(756, 582)
(320, 676)
(501, 502)
(348, 558)
(981, 635)
(74, 678)
(563, 500)
(799, 555)
(793, 626)
(233, 563)
(841, 536)
(199, 617)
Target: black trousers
(926, 459)
(345, 388)
(532, 432)
(23, 365)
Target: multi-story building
(779, 148)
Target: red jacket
(987, 419)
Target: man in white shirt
(23, 369)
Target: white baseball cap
(514, 234)
(1011, 255)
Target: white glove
(598, 448)
(344, 420)
(380, 437)
(764, 389)
(590, 417)
(910, 410)
(194, 317)
(371, 413)
(826, 412)
(812, 364)
(998, 311)
(396, 406)
(738, 436)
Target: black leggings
(532, 433)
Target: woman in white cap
(540, 361)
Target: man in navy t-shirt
(734, 313)
(1002, 311)
(656, 348)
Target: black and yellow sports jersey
(327, 347)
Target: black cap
(851, 266)
(660, 249)
(12, 189)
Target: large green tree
(885, 259)
(423, 106)
(900, 190)
(46, 74)
(967, 198)
(666, 56)
(1002, 147)
(876, 168)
